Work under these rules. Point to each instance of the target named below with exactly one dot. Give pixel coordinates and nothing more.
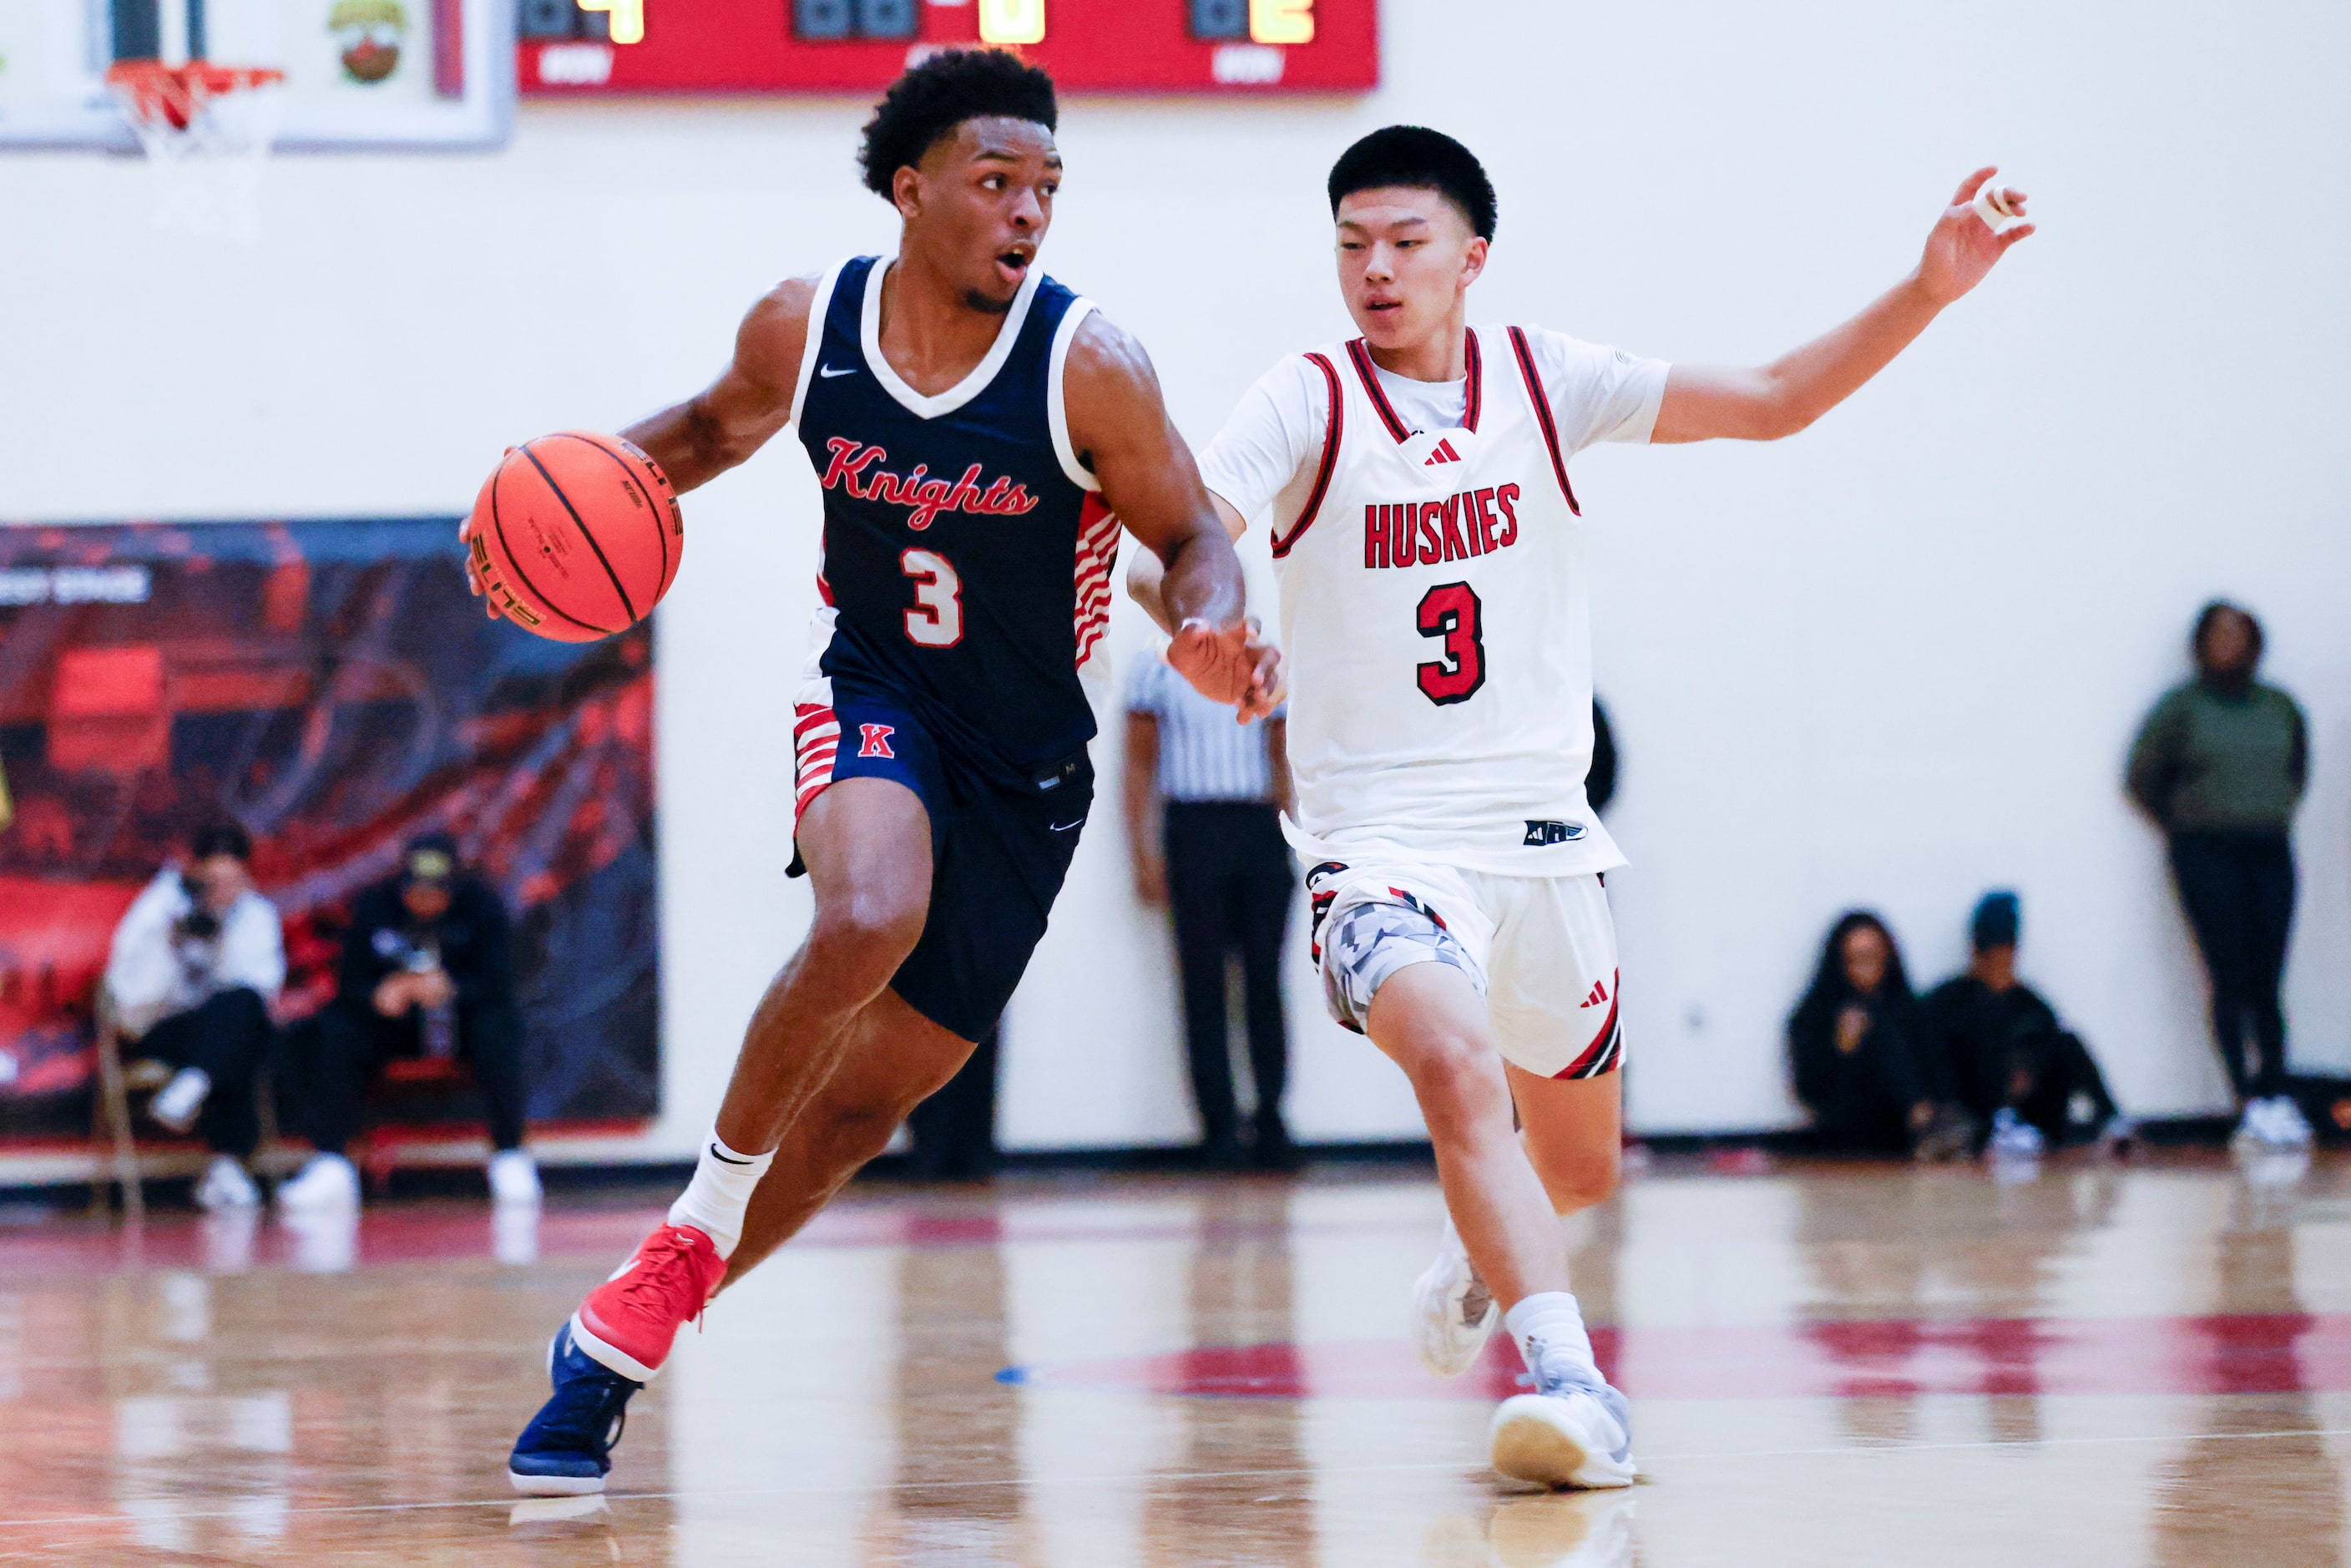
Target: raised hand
(1963, 247)
(1232, 666)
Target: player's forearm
(1201, 580)
(1143, 575)
(692, 444)
(1810, 380)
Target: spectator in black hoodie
(1859, 1055)
(2030, 1080)
(426, 971)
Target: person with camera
(197, 963)
(426, 972)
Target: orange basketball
(576, 536)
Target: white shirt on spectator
(156, 970)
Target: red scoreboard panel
(585, 48)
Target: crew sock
(713, 1201)
(1548, 1328)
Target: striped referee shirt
(1203, 754)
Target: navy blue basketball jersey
(966, 550)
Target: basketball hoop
(206, 129)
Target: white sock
(1549, 1327)
(713, 1201)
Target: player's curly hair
(1419, 159)
(934, 98)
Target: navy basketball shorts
(998, 852)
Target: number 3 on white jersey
(937, 619)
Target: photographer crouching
(196, 965)
(426, 972)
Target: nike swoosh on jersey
(1065, 827)
(828, 371)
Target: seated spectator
(2033, 1084)
(197, 963)
(425, 971)
(1857, 1051)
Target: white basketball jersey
(1436, 630)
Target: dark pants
(1228, 885)
(2050, 1070)
(955, 1129)
(353, 1044)
(2238, 890)
(1874, 1089)
(228, 1036)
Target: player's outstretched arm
(1119, 426)
(1704, 402)
(697, 440)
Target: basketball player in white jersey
(1431, 559)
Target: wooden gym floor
(1828, 1366)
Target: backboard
(359, 74)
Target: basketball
(576, 536)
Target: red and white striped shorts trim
(815, 737)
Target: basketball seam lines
(626, 604)
(498, 524)
(631, 476)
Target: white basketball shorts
(1540, 949)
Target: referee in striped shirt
(1214, 791)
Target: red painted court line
(1879, 1359)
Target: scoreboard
(579, 48)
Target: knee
(1581, 1178)
(869, 931)
(1459, 1087)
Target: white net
(207, 130)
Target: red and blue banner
(331, 685)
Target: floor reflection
(1829, 1365)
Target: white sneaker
(2012, 1137)
(1572, 1437)
(328, 1184)
(1452, 1313)
(2253, 1126)
(513, 1178)
(2288, 1128)
(178, 1103)
(225, 1187)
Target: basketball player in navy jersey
(980, 433)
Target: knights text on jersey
(1435, 623)
(966, 550)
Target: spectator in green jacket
(2219, 764)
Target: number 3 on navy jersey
(937, 619)
(1451, 611)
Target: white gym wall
(1893, 662)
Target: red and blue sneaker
(568, 1447)
(630, 1321)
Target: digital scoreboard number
(592, 48)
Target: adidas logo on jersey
(1542, 833)
(1473, 523)
(1444, 453)
(1599, 994)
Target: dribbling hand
(1233, 666)
(1963, 247)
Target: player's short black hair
(222, 838)
(934, 98)
(1422, 159)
